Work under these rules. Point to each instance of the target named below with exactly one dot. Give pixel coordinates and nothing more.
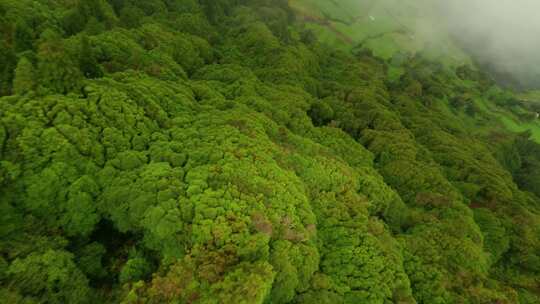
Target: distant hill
(387, 27)
(396, 30)
(440, 30)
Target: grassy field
(510, 121)
(386, 27)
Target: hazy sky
(504, 32)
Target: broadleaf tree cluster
(184, 151)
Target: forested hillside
(219, 151)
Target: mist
(503, 36)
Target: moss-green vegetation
(217, 152)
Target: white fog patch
(504, 34)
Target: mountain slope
(221, 152)
(394, 30)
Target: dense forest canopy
(219, 151)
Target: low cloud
(502, 35)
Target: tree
(23, 37)
(131, 16)
(73, 22)
(57, 71)
(87, 60)
(94, 27)
(51, 276)
(7, 67)
(136, 268)
(24, 80)
(214, 9)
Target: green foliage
(7, 68)
(90, 260)
(188, 151)
(57, 71)
(24, 80)
(528, 173)
(88, 63)
(50, 277)
(136, 268)
(23, 37)
(131, 16)
(496, 239)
